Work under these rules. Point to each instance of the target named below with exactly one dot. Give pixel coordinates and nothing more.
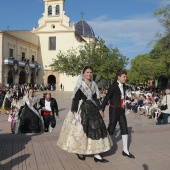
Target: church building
(25, 56)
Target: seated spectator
(134, 103)
(146, 105)
(140, 101)
(166, 101)
(128, 104)
(153, 108)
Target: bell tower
(53, 14)
(54, 8)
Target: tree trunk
(156, 82)
(168, 84)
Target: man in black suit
(22, 91)
(116, 97)
(49, 110)
(17, 94)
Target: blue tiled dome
(84, 29)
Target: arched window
(57, 10)
(50, 10)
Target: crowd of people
(25, 111)
(26, 86)
(149, 102)
(17, 90)
(84, 131)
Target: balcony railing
(9, 61)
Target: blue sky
(126, 24)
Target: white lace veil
(79, 84)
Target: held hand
(57, 118)
(102, 113)
(74, 115)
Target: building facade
(26, 56)
(19, 51)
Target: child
(14, 110)
(16, 117)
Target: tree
(161, 54)
(105, 61)
(163, 16)
(144, 68)
(157, 62)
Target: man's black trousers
(49, 119)
(117, 115)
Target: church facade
(26, 56)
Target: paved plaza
(149, 143)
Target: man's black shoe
(130, 155)
(46, 130)
(81, 157)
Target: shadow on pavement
(14, 162)
(130, 131)
(12, 149)
(61, 109)
(145, 167)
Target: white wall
(69, 82)
(64, 42)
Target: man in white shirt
(49, 110)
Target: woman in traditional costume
(14, 110)
(16, 120)
(30, 118)
(84, 131)
(7, 102)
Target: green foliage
(157, 63)
(161, 53)
(163, 16)
(103, 60)
(145, 67)
(162, 48)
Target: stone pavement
(149, 143)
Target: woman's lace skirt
(88, 136)
(29, 121)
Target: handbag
(164, 107)
(77, 118)
(9, 118)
